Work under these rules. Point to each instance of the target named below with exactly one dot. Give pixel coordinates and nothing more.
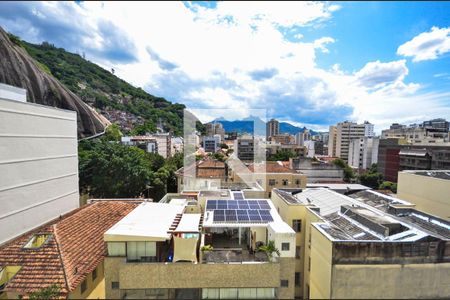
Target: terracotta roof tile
(76, 243)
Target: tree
(270, 249)
(51, 292)
(282, 155)
(223, 146)
(112, 133)
(388, 185)
(348, 171)
(371, 178)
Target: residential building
(345, 132)
(317, 171)
(146, 143)
(245, 148)
(164, 144)
(159, 251)
(363, 152)
(38, 163)
(270, 175)
(396, 155)
(319, 148)
(273, 128)
(177, 145)
(211, 143)
(428, 190)
(66, 253)
(215, 128)
(303, 136)
(208, 174)
(275, 147)
(347, 247)
(283, 138)
(332, 140)
(433, 131)
(310, 148)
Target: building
(274, 147)
(211, 143)
(209, 174)
(345, 132)
(317, 171)
(273, 128)
(146, 143)
(319, 148)
(363, 152)
(396, 155)
(245, 148)
(366, 245)
(270, 175)
(215, 128)
(283, 138)
(38, 163)
(303, 136)
(332, 139)
(181, 249)
(433, 131)
(177, 145)
(428, 190)
(310, 148)
(164, 144)
(66, 252)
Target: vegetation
(218, 156)
(223, 146)
(348, 171)
(113, 133)
(102, 89)
(270, 249)
(371, 178)
(281, 155)
(388, 185)
(206, 248)
(51, 292)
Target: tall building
(273, 128)
(245, 148)
(211, 143)
(332, 139)
(301, 137)
(38, 163)
(215, 128)
(345, 132)
(433, 131)
(363, 152)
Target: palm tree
(270, 249)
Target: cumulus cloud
(376, 74)
(427, 45)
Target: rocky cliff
(19, 69)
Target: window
(285, 246)
(115, 285)
(94, 274)
(297, 181)
(83, 286)
(309, 264)
(141, 251)
(297, 251)
(271, 181)
(284, 283)
(285, 182)
(297, 279)
(116, 249)
(297, 225)
(37, 241)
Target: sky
(310, 64)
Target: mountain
(120, 102)
(246, 126)
(17, 68)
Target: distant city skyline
(309, 64)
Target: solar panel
(255, 218)
(211, 205)
(238, 195)
(253, 205)
(232, 205)
(267, 218)
(243, 218)
(243, 211)
(219, 216)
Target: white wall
(38, 166)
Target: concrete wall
(395, 281)
(187, 275)
(429, 194)
(95, 287)
(38, 166)
(320, 272)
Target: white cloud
(376, 74)
(427, 45)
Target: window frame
(83, 286)
(283, 246)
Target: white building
(345, 132)
(211, 143)
(310, 150)
(363, 152)
(154, 143)
(38, 163)
(177, 145)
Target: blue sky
(312, 64)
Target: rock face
(19, 69)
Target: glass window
(94, 274)
(284, 283)
(297, 251)
(141, 251)
(297, 279)
(271, 181)
(297, 225)
(210, 293)
(115, 285)
(265, 293)
(247, 293)
(116, 249)
(83, 286)
(285, 246)
(229, 293)
(285, 182)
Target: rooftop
(73, 250)
(441, 174)
(270, 167)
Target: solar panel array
(238, 196)
(240, 211)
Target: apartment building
(332, 140)
(317, 171)
(160, 143)
(273, 128)
(363, 152)
(38, 163)
(181, 249)
(211, 143)
(432, 131)
(215, 128)
(365, 245)
(428, 190)
(245, 148)
(66, 253)
(275, 147)
(206, 174)
(345, 132)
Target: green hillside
(103, 90)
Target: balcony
(230, 256)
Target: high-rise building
(273, 128)
(211, 143)
(433, 131)
(38, 163)
(363, 152)
(245, 148)
(215, 128)
(332, 139)
(345, 132)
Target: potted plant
(206, 248)
(270, 249)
